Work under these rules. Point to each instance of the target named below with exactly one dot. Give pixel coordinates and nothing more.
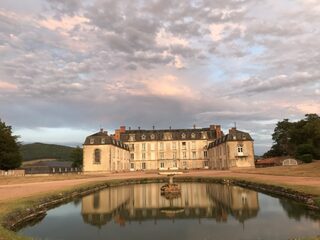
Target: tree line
(299, 139)
(10, 150)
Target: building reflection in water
(144, 202)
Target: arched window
(97, 156)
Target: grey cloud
(61, 7)
(278, 82)
(88, 75)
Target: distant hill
(35, 151)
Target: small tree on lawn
(10, 157)
(77, 157)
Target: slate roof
(233, 135)
(175, 134)
(102, 138)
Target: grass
(304, 170)
(6, 180)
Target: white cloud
(164, 38)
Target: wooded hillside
(45, 151)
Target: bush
(306, 158)
(303, 149)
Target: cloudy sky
(69, 67)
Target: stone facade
(102, 153)
(234, 150)
(168, 149)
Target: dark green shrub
(306, 158)
(304, 149)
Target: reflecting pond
(202, 211)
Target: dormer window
(204, 135)
(143, 137)
(91, 141)
(103, 140)
(193, 135)
(183, 135)
(132, 137)
(152, 136)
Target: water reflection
(144, 202)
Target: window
(131, 147)
(161, 146)
(131, 137)
(193, 155)
(143, 156)
(162, 165)
(240, 148)
(193, 135)
(132, 165)
(161, 155)
(174, 155)
(174, 145)
(193, 145)
(143, 165)
(152, 136)
(174, 164)
(91, 141)
(132, 156)
(143, 146)
(184, 155)
(167, 136)
(103, 140)
(205, 154)
(206, 163)
(184, 144)
(183, 135)
(96, 200)
(204, 135)
(97, 156)
(143, 137)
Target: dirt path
(21, 190)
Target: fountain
(171, 190)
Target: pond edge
(20, 217)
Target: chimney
(117, 134)
(138, 128)
(129, 128)
(122, 129)
(194, 126)
(218, 131)
(153, 127)
(101, 130)
(232, 130)
(170, 127)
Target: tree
(297, 138)
(77, 157)
(10, 157)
